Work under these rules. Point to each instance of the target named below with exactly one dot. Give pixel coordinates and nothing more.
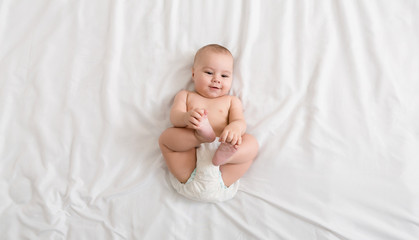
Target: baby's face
(212, 74)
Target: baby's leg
(178, 148)
(240, 161)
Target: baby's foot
(223, 154)
(205, 133)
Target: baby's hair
(213, 47)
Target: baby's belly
(218, 123)
(218, 128)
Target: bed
(329, 88)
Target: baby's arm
(180, 117)
(234, 131)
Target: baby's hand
(231, 134)
(194, 117)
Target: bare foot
(205, 133)
(223, 154)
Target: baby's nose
(215, 79)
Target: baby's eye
(224, 76)
(209, 73)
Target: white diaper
(205, 183)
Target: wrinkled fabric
(329, 89)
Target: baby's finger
(230, 138)
(223, 136)
(196, 115)
(233, 141)
(239, 141)
(194, 122)
(201, 111)
(236, 139)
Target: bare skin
(201, 116)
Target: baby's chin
(212, 95)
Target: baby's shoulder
(232, 98)
(182, 94)
(234, 101)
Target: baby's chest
(213, 110)
(218, 109)
(217, 114)
(218, 117)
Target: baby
(211, 121)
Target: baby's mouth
(212, 87)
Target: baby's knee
(184, 176)
(161, 138)
(164, 135)
(251, 140)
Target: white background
(330, 90)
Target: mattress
(329, 89)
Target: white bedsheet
(330, 90)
